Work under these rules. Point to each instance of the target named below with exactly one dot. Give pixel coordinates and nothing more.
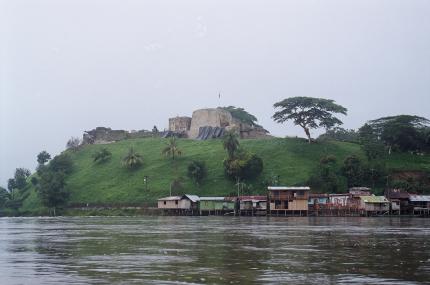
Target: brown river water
(214, 250)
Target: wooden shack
(254, 202)
(399, 201)
(340, 200)
(420, 203)
(179, 204)
(171, 202)
(215, 205)
(318, 199)
(285, 200)
(354, 201)
(374, 205)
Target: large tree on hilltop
(309, 113)
(402, 132)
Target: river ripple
(214, 250)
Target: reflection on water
(214, 250)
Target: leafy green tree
(370, 143)
(61, 163)
(102, 155)
(11, 184)
(231, 143)
(172, 148)
(4, 197)
(403, 132)
(34, 180)
(244, 165)
(132, 160)
(242, 115)
(20, 177)
(373, 150)
(375, 174)
(353, 171)
(197, 171)
(43, 157)
(51, 189)
(325, 177)
(309, 113)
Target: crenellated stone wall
(102, 135)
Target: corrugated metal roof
(247, 198)
(288, 188)
(170, 198)
(341, 195)
(359, 189)
(212, 198)
(374, 199)
(193, 198)
(419, 198)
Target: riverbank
(151, 211)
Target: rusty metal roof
(292, 188)
(374, 199)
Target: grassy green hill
(111, 183)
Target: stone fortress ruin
(204, 124)
(213, 123)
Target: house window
(176, 202)
(165, 203)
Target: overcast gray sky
(69, 66)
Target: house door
(286, 205)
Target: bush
(243, 166)
(102, 155)
(197, 171)
(325, 177)
(61, 163)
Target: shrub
(197, 171)
(102, 155)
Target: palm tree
(132, 160)
(172, 149)
(231, 143)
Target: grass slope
(111, 183)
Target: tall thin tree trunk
(308, 134)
